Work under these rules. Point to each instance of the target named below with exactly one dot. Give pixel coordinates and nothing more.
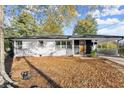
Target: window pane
(57, 44)
(63, 44)
(69, 44)
(19, 44)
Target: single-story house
(59, 45)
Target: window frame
(58, 46)
(19, 44)
(63, 45)
(69, 44)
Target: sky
(110, 21)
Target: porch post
(60, 44)
(94, 47)
(118, 48)
(66, 48)
(73, 47)
(66, 44)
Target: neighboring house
(59, 45)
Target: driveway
(118, 60)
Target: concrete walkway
(118, 60)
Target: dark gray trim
(65, 37)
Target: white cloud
(112, 11)
(108, 11)
(96, 14)
(114, 25)
(119, 30)
(108, 21)
(122, 22)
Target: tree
(55, 17)
(51, 27)
(25, 25)
(59, 16)
(1, 47)
(86, 26)
(3, 74)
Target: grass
(66, 72)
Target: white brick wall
(32, 48)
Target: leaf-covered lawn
(66, 72)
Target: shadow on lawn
(8, 64)
(50, 81)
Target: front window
(61, 44)
(19, 44)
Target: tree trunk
(3, 75)
(1, 48)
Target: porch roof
(96, 36)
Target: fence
(121, 51)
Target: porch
(82, 47)
(92, 44)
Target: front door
(88, 46)
(79, 46)
(76, 47)
(82, 47)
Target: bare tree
(3, 75)
(1, 46)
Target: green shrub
(93, 53)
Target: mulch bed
(66, 72)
